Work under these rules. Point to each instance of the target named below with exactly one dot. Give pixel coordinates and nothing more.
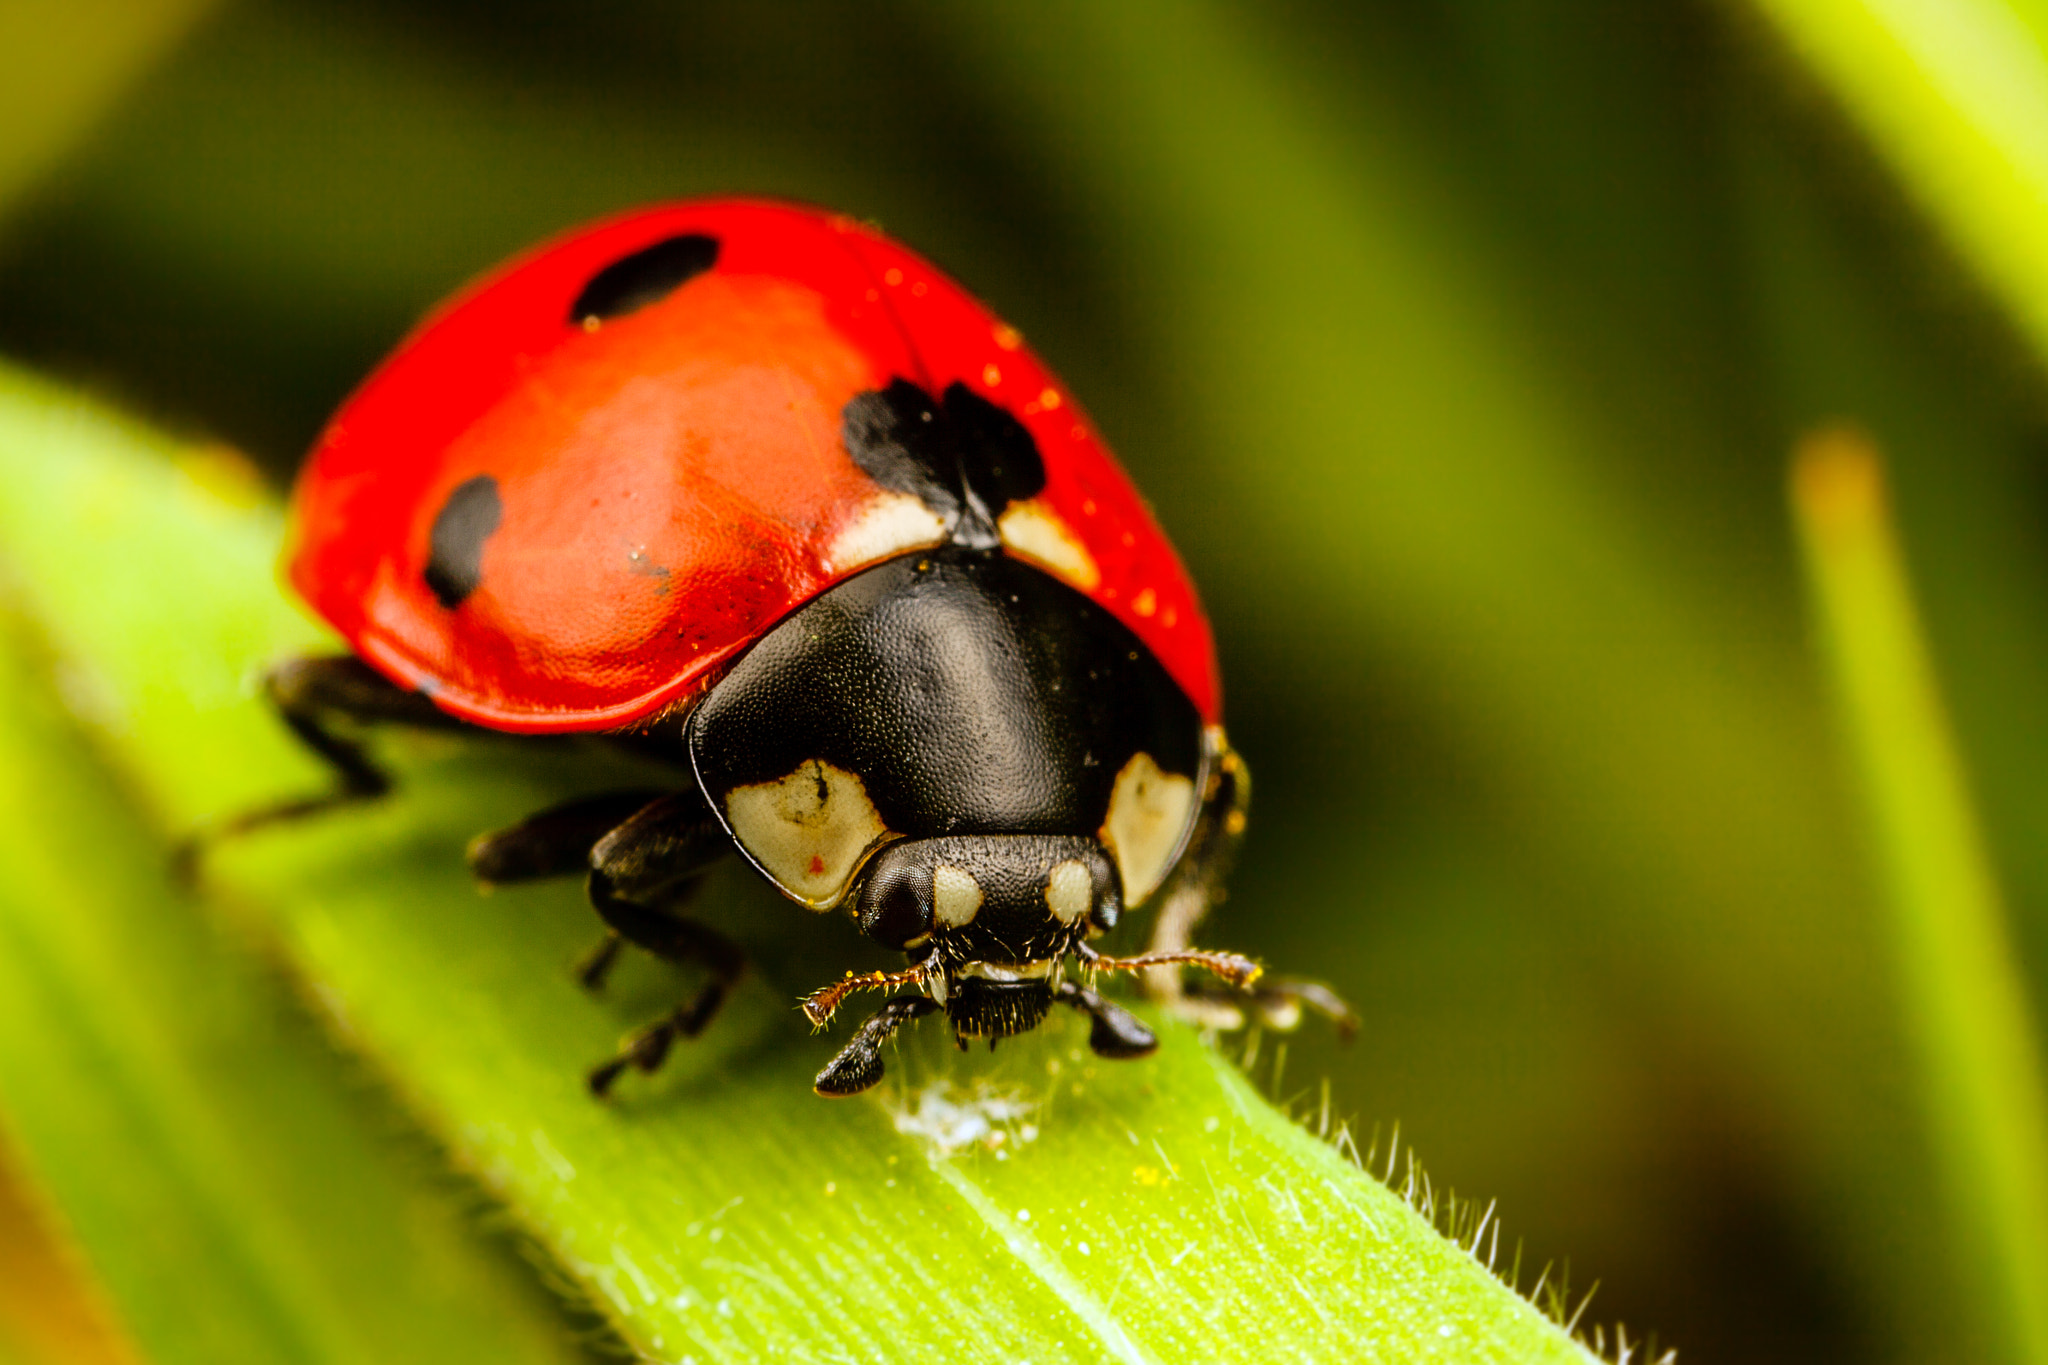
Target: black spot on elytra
(647, 276)
(963, 456)
(898, 436)
(997, 454)
(456, 554)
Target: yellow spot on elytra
(889, 524)
(892, 277)
(1008, 337)
(990, 375)
(1036, 533)
(1170, 618)
(1146, 602)
(917, 290)
(1049, 400)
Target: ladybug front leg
(1114, 1032)
(859, 1063)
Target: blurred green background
(1460, 344)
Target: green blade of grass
(227, 1179)
(1032, 1205)
(1964, 998)
(1954, 94)
(64, 62)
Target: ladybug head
(993, 914)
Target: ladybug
(753, 490)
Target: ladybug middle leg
(555, 843)
(641, 872)
(674, 939)
(644, 853)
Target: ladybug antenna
(819, 1006)
(1234, 968)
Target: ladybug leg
(675, 940)
(859, 1063)
(1273, 1002)
(1196, 885)
(651, 862)
(310, 694)
(640, 872)
(1114, 1032)
(556, 843)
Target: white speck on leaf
(950, 1117)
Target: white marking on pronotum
(1148, 813)
(888, 525)
(1069, 890)
(956, 896)
(1036, 533)
(809, 831)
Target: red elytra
(673, 481)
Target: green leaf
(234, 1193)
(1954, 95)
(1966, 1003)
(63, 62)
(232, 1183)
(1034, 1204)
(224, 1171)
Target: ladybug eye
(896, 904)
(647, 276)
